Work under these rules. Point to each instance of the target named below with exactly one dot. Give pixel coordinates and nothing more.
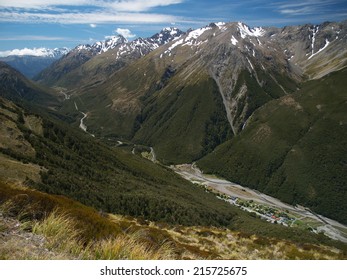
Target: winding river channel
(191, 172)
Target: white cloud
(299, 11)
(126, 33)
(305, 7)
(141, 5)
(99, 11)
(84, 18)
(116, 5)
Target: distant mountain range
(30, 62)
(78, 67)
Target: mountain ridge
(102, 58)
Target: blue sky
(67, 23)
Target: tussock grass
(61, 234)
(34, 225)
(68, 230)
(129, 247)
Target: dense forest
(294, 148)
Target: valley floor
(263, 205)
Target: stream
(191, 172)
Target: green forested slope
(294, 148)
(76, 165)
(185, 124)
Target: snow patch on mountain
(195, 34)
(190, 40)
(221, 26)
(250, 63)
(110, 43)
(325, 46)
(234, 40)
(137, 47)
(165, 36)
(253, 32)
(100, 47)
(173, 31)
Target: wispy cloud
(85, 18)
(118, 5)
(141, 5)
(305, 7)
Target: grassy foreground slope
(35, 225)
(294, 148)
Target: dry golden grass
(129, 247)
(57, 237)
(34, 225)
(217, 243)
(61, 234)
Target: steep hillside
(316, 49)
(14, 86)
(294, 148)
(263, 107)
(59, 160)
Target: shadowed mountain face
(29, 66)
(14, 86)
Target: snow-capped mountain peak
(103, 46)
(166, 35)
(42, 52)
(110, 43)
